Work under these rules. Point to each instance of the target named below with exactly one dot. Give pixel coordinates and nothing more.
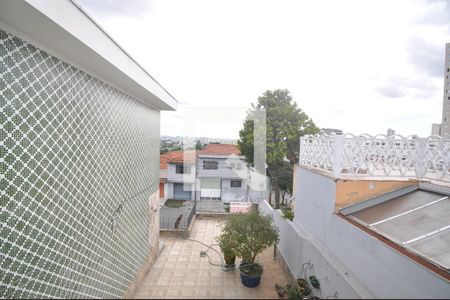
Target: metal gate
(181, 191)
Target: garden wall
(303, 259)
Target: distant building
(443, 129)
(330, 130)
(445, 125)
(436, 129)
(222, 173)
(178, 175)
(216, 173)
(190, 141)
(390, 132)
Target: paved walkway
(180, 272)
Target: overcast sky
(359, 66)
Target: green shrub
(249, 234)
(172, 203)
(288, 213)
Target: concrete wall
(314, 201)
(369, 266)
(233, 193)
(172, 175)
(304, 259)
(166, 192)
(153, 209)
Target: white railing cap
(365, 155)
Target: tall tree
(286, 181)
(285, 124)
(199, 145)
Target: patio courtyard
(180, 272)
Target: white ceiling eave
(64, 30)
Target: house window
(181, 170)
(210, 164)
(236, 183)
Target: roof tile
(220, 149)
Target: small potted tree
(250, 234)
(227, 245)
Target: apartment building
(445, 125)
(443, 128)
(80, 124)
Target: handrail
(378, 156)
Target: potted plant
(227, 245)
(249, 235)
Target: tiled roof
(163, 160)
(220, 149)
(180, 156)
(176, 157)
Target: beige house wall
(352, 191)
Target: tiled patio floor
(180, 272)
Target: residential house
(181, 175)
(222, 174)
(80, 125)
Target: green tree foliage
(166, 146)
(286, 180)
(199, 145)
(247, 235)
(285, 124)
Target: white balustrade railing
(378, 156)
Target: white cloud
(342, 60)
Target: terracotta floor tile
(180, 272)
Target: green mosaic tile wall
(78, 160)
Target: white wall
(174, 177)
(314, 201)
(304, 259)
(370, 266)
(223, 171)
(233, 193)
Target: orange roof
(220, 149)
(180, 156)
(163, 160)
(176, 157)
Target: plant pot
(229, 260)
(250, 274)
